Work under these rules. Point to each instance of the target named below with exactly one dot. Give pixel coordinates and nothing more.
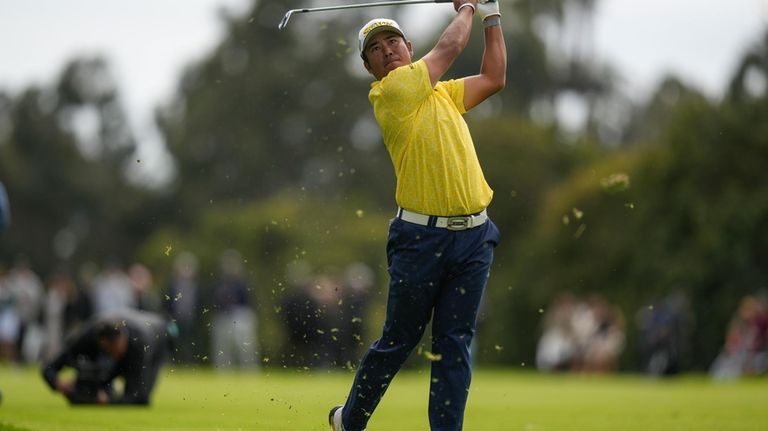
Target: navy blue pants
(434, 273)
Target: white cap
(374, 27)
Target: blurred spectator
(665, 333)
(313, 316)
(581, 336)
(358, 283)
(300, 309)
(112, 290)
(10, 323)
(5, 209)
(746, 343)
(181, 303)
(233, 333)
(584, 326)
(130, 344)
(557, 349)
(327, 346)
(29, 293)
(606, 342)
(147, 299)
(60, 291)
(85, 282)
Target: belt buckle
(459, 223)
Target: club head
(284, 22)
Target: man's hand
(66, 388)
(488, 8)
(457, 4)
(102, 397)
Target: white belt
(451, 223)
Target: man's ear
(367, 66)
(410, 47)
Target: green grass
(299, 401)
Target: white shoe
(334, 419)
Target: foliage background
(276, 154)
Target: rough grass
(299, 401)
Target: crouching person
(128, 344)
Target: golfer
(440, 244)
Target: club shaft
(360, 5)
(287, 16)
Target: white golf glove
(488, 8)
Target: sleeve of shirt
(455, 88)
(52, 368)
(71, 349)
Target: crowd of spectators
(581, 335)
(324, 316)
(37, 315)
(589, 335)
(322, 313)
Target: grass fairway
(299, 401)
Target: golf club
(287, 16)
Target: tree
(690, 217)
(271, 110)
(64, 161)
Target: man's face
(385, 52)
(115, 347)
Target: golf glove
(488, 8)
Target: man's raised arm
(493, 71)
(452, 42)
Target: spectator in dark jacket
(130, 344)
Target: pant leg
(415, 262)
(454, 323)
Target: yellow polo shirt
(431, 149)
